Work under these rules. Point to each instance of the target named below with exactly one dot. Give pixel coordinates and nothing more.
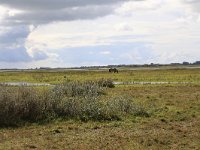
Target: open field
(125, 75)
(173, 120)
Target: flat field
(173, 121)
(125, 75)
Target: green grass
(173, 123)
(169, 75)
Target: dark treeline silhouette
(137, 65)
(185, 63)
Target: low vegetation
(86, 112)
(125, 75)
(69, 100)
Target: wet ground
(23, 84)
(116, 83)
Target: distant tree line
(116, 66)
(137, 65)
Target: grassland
(54, 77)
(173, 123)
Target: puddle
(23, 84)
(116, 83)
(143, 83)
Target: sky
(73, 33)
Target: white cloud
(194, 4)
(165, 32)
(169, 28)
(125, 26)
(132, 6)
(105, 52)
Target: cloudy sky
(66, 33)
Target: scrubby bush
(106, 83)
(76, 88)
(70, 100)
(21, 104)
(123, 105)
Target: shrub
(106, 83)
(70, 100)
(21, 104)
(76, 88)
(124, 105)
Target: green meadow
(85, 111)
(125, 75)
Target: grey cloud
(20, 54)
(39, 12)
(43, 17)
(14, 35)
(53, 4)
(14, 55)
(39, 55)
(191, 1)
(195, 4)
(12, 46)
(45, 11)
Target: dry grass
(54, 77)
(174, 122)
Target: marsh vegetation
(88, 112)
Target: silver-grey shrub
(22, 104)
(69, 100)
(76, 88)
(123, 105)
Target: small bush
(124, 105)
(21, 104)
(106, 83)
(76, 88)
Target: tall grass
(21, 104)
(69, 100)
